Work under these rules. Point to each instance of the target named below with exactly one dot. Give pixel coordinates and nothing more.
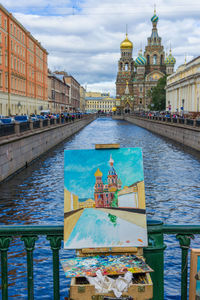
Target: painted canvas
(104, 198)
(194, 291)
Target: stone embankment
(184, 131)
(18, 150)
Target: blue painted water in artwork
(81, 165)
(95, 229)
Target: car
(7, 120)
(23, 118)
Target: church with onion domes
(136, 78)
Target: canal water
(35, 196)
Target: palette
(108, 265)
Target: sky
(83, 37)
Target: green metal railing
(154, 253)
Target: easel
(86, 291)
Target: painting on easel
(104, 199)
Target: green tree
(158, 94)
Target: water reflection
(35, 196)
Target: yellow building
(87, 204)
(183, 88)
(95, 102)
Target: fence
(154, 253)
(17, 128)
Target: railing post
(194, 122)
(49, 122)
(184, 241)
(17, 128)
(29, 242)
(41, 123)
(154, 255)
(55, 242)
(31, 125)
(4, 245)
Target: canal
(35, 196)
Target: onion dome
(98, 173)
(140, 60)
(155, 18)
(126, 44)
(170, 59)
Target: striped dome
(170, 60)
(154, 19)
(140, 60)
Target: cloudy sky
(83, 37)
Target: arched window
(155, 59)
(121, 66)
(148, 60)
(126, 66)
(161, 59)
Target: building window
(6, 59)
(6, 41)
(161, 59)
(0, 20)
(53, 94)
(0, 37)
(5, 24)
(155, 59)
(0, 56)
(0, 79)
(11, 27)
(11, 45)
(6, 80)
(148, 60)
(126, 66)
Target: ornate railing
(154, 253)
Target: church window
(148, 60)
(155, 59)
(161, 59)
(126, 67)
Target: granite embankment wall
(182, 133)
(17, 151)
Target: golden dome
(126, 44)
(98, 173)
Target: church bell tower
(125, 67)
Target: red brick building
(23, 69)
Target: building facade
(74, 95)
(23, 69)
(82, 98)
(95, 102)
(183, 88)
(141, 75)
(58, 93)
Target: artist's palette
(108, 265)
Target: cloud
(83, 37)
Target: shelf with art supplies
(105, 221)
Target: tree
(158, 94)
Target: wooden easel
(112, 250)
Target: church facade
(135, 79)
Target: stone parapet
(19, 150)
